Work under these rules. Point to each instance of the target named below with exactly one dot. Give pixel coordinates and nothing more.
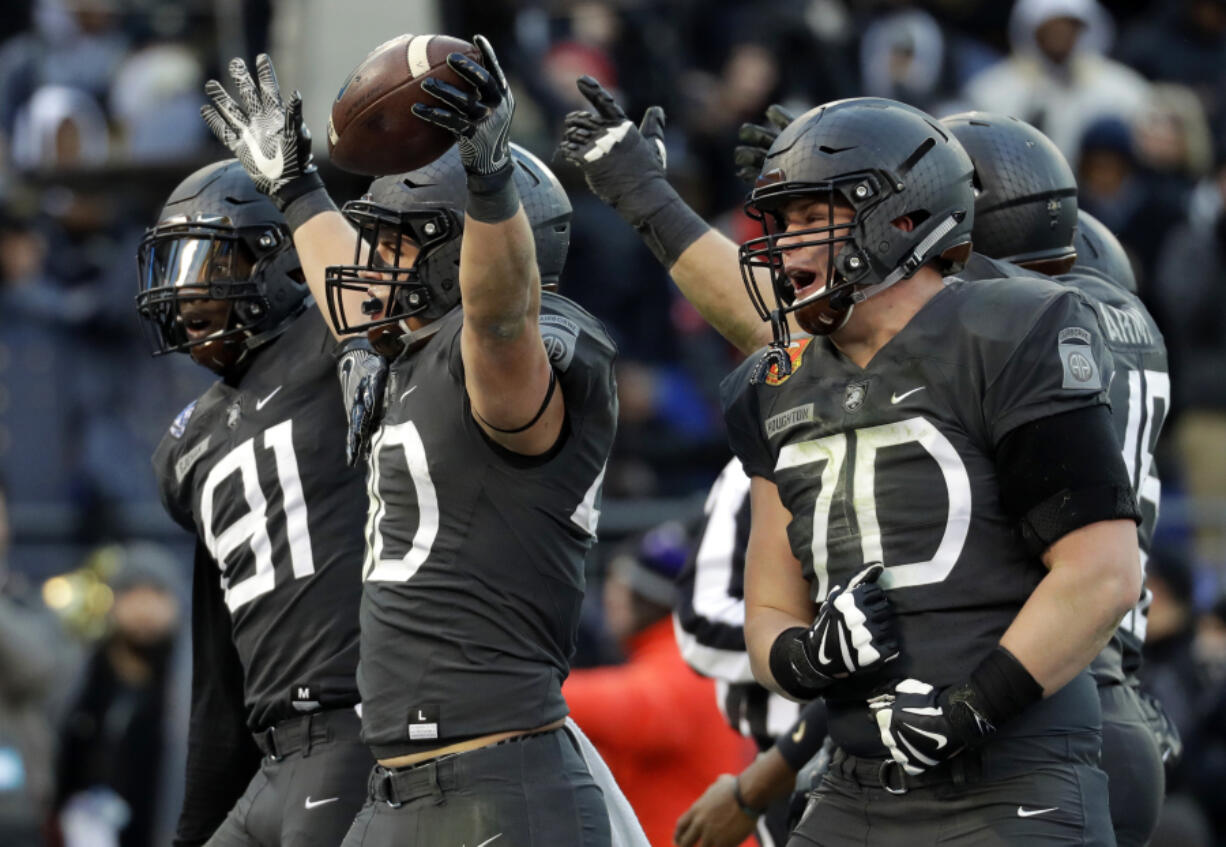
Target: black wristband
(671, 229)
(791, 668)
(492, 198)
(307, 204)
(998, 690)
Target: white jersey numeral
(831, 451)
(250, 531)
(378, 568)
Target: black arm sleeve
(1062, 472)
(221, 755)
(803, 741)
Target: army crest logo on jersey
(796, 352)
(853, 398)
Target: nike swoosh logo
(260, 404)
(799, 733)
(402, 396)
(603, 145)
(270, 167)
(822, 658)
(312, 805)
(898, 398)
(1030, 813)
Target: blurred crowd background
(99, 120)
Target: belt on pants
(397, 786)
(889, 775)
(293, 735)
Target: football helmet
(883, 159)
(1100, 251)
(218, 273)
(427, 207)
(1025, 192)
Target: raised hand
(756, 140)
(265, 134)
(480, 118)
(618, 160)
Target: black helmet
(219, 239)
(883, 159)
(427, 206)
(1025, 192)
(1100, 251)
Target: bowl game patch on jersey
(796, 351)
(179, 425)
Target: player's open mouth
(802, 280)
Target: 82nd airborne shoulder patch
(1077, 359)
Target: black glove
(268, 137)
(480, 118)
(1164, 730)
(915, 726)
(363, 374)
(756, 139)
(623, 165)
(854, 629)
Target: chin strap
(911, 263)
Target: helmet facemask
(404, 282)
(188, 268)
(827, 309)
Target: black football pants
(1017, 791)
(532, 791)
(1133, 763)
(309, 787)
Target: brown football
(371, 129)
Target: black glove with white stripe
(625, 166)
(480, 118)
(854, 630)
(266, 135)
(363, 375)
(922, 726)
(915, 726)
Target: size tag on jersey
(1080, 369)
(423, 722)
(304, 697)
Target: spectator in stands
(1056, 77)
(1182, 41)
(117, 738)
(27, 672)
(653, 719)
(1136, 203)
(1188, 291)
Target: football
(371, 129)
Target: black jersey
(474, 572)
(256, 470)
(1140, 398)
(895, 463)
(709, 619)
(1140, 394)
